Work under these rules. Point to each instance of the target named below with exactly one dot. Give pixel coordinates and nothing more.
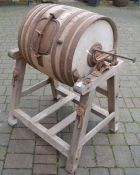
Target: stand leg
(113, 93)
(18, 77)
(78, 134)
(54, 84)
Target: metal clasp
(15, 76)
(80, 114)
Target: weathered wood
(102, 91)
(99, 111)
(79, 137)
(40, 130)
(78, 134)
(53, 108)
(15, 54)
(16, 89)
(96, 129)
(64, 92)
(113, 94)
(54, 84)
(35, 87)
(64, 123)
(95, 109)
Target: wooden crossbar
(35, 87)
(96, 129)
(43, 132)
(102, 91)
(95, 109)
(64, 123)
(53, 108)
(99, 111)
(64, 92)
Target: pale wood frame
(82, 95)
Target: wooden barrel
(55, 39)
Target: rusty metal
(95, 55)
(80, 113)
(48, 30)
(91, 59)
(24, 29)
(16, 73)
(116, 55)
(100, 68)
(26, 32)
(100, 61)
(103, 56)
(68, 54)
(64, 62)
(54, 47)
(75, 41)
(88, 22)
(87, 81)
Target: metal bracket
(80, 113)
(16, 73)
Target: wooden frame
(82, 95)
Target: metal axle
(127, 58)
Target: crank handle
(120, 56)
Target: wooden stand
(82, 95)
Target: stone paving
(24, 153)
